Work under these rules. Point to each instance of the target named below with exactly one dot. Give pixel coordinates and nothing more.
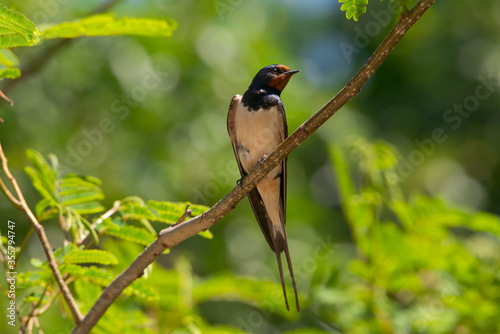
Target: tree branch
(173, 235)
(21, 204)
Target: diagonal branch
(173, 235)
(21, 204)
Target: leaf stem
(402, 5)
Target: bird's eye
(275, 70)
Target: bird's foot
(261, 160)
(238, 182)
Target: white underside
(258, 133)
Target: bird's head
(274, 76)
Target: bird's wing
(281, 109)
(255, 199)
(284, 243)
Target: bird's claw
(261, 160)
(238, 182)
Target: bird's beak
(291, 72)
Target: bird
(256, 123)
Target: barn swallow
(256, 123)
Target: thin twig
(105, 215)
(3, 187)
(37, 325)
(6, 98)
(23, 206)
(34, 306)
(187, 213)
(171, 236)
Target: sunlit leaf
(90, 256)
(43, 175)
(133, 210)
(46, 209)
(353, 8)
(130, 233)
(10, 73)
(167, 212)
(108, 25)
(16, 29)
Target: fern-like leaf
(170, 212)
(353, 8)
(16, 30)
(130, 233)
(8, 58)
(10, 73)
(167, 212)
(46, 209)
(103, 278)
(136, 211)
(90, 256)
(43, 175)
(108, 25)
(9, 64)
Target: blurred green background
(148, 117)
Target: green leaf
(76, 189)
(37, 278)
(35, 298)
(38, 184)
(103, 278)
(8, 58)
(167, 212)
(206, 234)
(108, 25)
(130, 233)
(10, 73)
(347, 5)
(46, 209)
(87, 208)
(350, 11)
(90, 256)
(16, 30)
(197, 209)
(171, 212)
(135, 211)
(486, 222)
(91, 230)
(46, 174)
(353, 8)
(9, 65)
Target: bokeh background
(148, 117)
